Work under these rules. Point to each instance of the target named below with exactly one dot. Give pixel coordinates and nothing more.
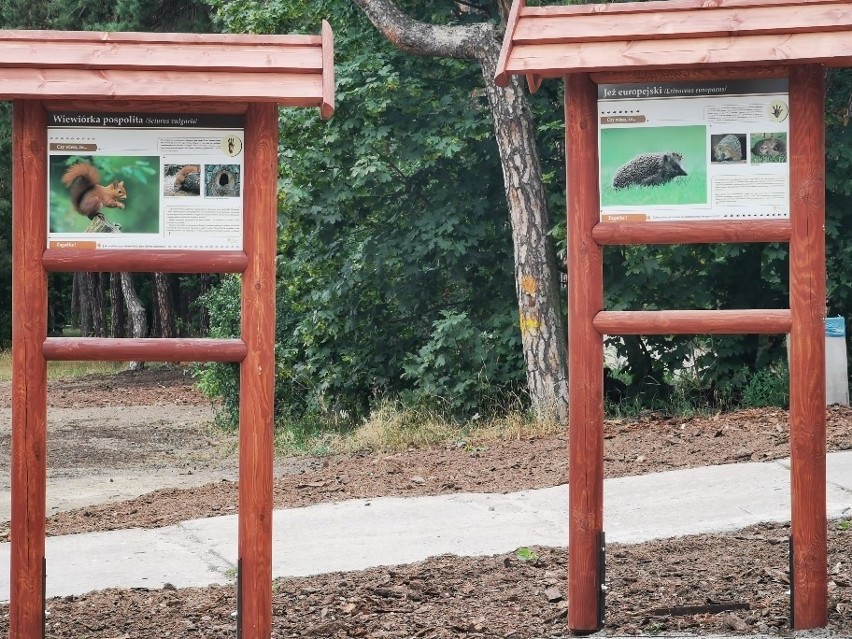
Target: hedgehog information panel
(135, 180)
(694, 151)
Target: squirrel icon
(87, 194)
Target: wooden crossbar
(62, 260)
(710, 232)
(152, 349)
(693, 322)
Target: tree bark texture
(138, 323)
(542, 328)
(163, 292)
(91, 299)
(119, 314)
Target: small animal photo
(728, 148)
(768, 148)
(104, 193)
(653, 166)
(222, 180)
(180, 180)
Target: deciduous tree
(542, 329)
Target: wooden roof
(291, 70)
(552, 41)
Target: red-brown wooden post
(257, 372)
(585, 356)
(29, 370)
(807, 347)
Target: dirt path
(112, 439)
(115, 438)
(101, 455)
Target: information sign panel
(163, 181)
(694, 150)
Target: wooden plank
(161, 56)
(807, 347)
(691, 74)
(506, 47)
(112, 349)
(534, 82)
(147, 106)
(739, 22)
(257, 373)
(291, 89)
(663, 5)
(327, 106)
(29, 371)
(554, 60)
(679, 322)
(128, 37)
(61, 260)
(699, 232)
(585, 356)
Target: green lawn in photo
(620, 145)
(140, 174)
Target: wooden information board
(54, 77)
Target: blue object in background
(835, 327)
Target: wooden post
(807, 347)
(257, 372)
(29, 370)
(585, 355)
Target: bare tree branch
(422, 38)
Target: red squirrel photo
(87, 195)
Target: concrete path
(362, 533)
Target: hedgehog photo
(769, 147)
(649, 169)
(729, 148)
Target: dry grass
(394, 428)
(63, 370)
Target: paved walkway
(358, 534)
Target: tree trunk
(138, 322)
(165, 305)
(84, 299)
(542, 328)
(98, 307)
(119, 316)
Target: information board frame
(694, 150)
(180, 177)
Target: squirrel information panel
(136, 181)
(694, 150)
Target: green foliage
(838, 157)
(395, 254)
(223, 380)
(767, 387)
(456, 344)
(725, 276)
(527, 555)
(93, 15)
